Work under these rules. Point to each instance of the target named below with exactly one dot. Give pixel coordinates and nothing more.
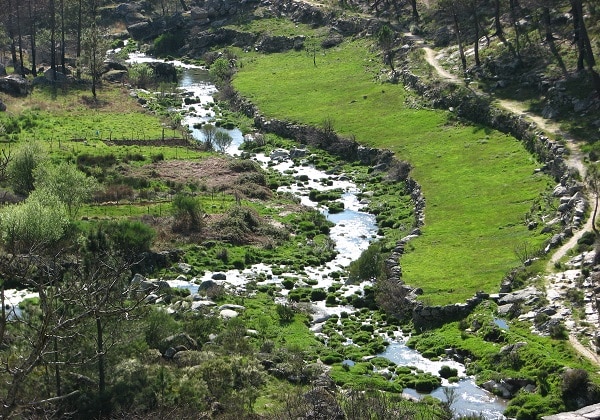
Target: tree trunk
(577, 38)
(100, 351)
(57, 378)
(62, 37)
(79, 29)
(497, 23)
(2, 314)
(594, 228)
(547, 24)
(52, 12)
(20, 38)
(461, 50)
(585, 54)
(415, 12)
(476, 43)
(513, 17)
(32, 20)
(11, 34)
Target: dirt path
(583, 350)
(575, 161)
(575, 157)
(432, 60)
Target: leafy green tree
(94, 46)
(39, 221)
(21, 168)
(369, 266)
(71, 186)
(222, 140)
(209, 132)
(385, 39)
(221, 70)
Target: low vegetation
(100, 191)
(479, 184)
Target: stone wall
(470, 106)
(465, 104)
(478, 109)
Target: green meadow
(480, 186)
(53, 115)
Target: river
(352, 233)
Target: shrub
(130, 237)
(318, 295)
(285, 313)
(558, 331)
(288, 284)
(427, 383)
(221, 71)
(21, 168)
(40, 220)
(447, 372)
(331, 359)
(187, 211)
(331, 300)
(140, 75)
(574, 382)
(222, 140)
(168, 42)
(368, 266)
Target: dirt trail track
(574, 162)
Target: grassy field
(479, 184)
(48, 114)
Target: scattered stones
(528, 295)
(228, 314)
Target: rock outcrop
(591, 412)
(15, 85)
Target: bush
(447, 372)
(20, 169)
(130, 237)
(288, 284)
(368, 266)
(318, 295)
(40, 220)
(285, 313)
(188, 212)
(169, 42)
(221, 71)
(331, 300)
(140, 75)
(574, 382)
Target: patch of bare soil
(238, 224)
(213, 174)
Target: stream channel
(352, 233)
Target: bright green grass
(62, 116)
(478, 184)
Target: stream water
(352, 233)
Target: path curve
(442, 72)
(574, 161)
